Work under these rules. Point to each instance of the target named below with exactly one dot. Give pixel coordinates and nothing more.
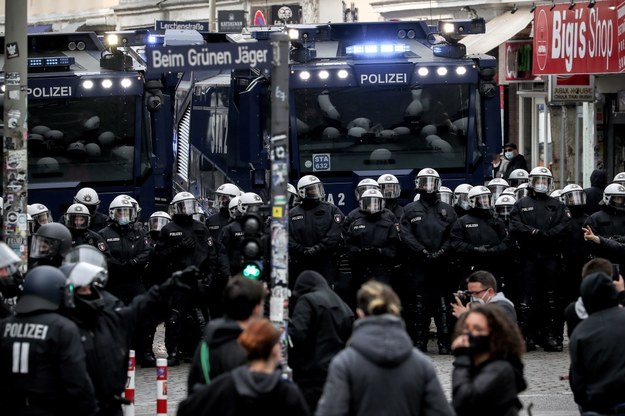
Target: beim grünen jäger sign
(209, 56)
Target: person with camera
(482, 289)
(488, 371)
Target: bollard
(161, 387)
(129, 393)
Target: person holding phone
(488, 371)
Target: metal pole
(213, 26)
(279, 305)
(15, 170)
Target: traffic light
(252, 246)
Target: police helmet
(556, 193)
(310, 187)
(225, 193)
(521, 191)
(503, 206)
(122, 211)
(428, 180)
(614, 195)
(249, 200)
(496, 186)
(40, 214)
(461, 195)
(233, 208)
(86, 274)
(540, 180)
(9, 260)
(50, 240)
(294, 198)
(365, 184)
(517, 177)
(447, 195)
(619, 178)
(85, 253)
(573, 195)
(480, 197)
(371, 201)
(158, 220)
(134, 203)
(77, 217)
(31, 224)
(509, 191)
(45, 289)
(389, 186)
(89, 198)
(183, 203)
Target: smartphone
(616, 273)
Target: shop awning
(498, 30)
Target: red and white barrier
(161, 387)
(129, 393)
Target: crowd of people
(494, 265)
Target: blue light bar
(53, 62)
(373, 49)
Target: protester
(482, 289)
(380, 373)
(488, 372)
(253, 389)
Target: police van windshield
(81, 140)
(346, 129)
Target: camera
(464, 296)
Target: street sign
(209, 56)
(163, 25)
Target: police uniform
(608, 222)
(42, 367)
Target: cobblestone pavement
(548, 394)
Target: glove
(481, 249)
(539, 233)
(311, 251)
(437, 254)
(375, 251)
(188, 276)
(174, 284)
(188, 242)
(425, 253)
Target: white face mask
(508, 155)
(541, 189)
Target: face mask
(479, 343)
(464, 205)
(508, 155)
(123, 221)
(541, 189)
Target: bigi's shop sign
(580, 40)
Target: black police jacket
(42, 362)
(229, 248)
(129, 249)
(377, 231)
(216, 222)
(479, 229)
(314, 225)
(426, 225)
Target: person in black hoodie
(488, 372)
(320, 327)
(219, 351)
(597, 373)
(380, 363)
(514, 158)
(256, 388)
(594, 194)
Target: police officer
(42, 360)
(10, 278)
(517, 177)
(107, 331)
(539, 223)
(294, 198)
(461, 199)
(223, 196)
(89, 198)
(363, 185)
(314, 231)
(129, 249)
(609, 222)
(40, 215)
(77, 220)
(425, 230)
(391, 190)
(49, 245)
(496, 187)
(156, 222)
(372, 241)
(503, 208)
(186, 242)
(480, 239)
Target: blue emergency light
(51, 62)
(374, 50)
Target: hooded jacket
(224, 352)
(594, 194)
(597, 372)
(380, 363)
(320, 327)
(243, 392)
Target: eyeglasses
(475, 293)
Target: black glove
(539, 233)
(188, 242)
(311, 251)
(375, 251)
(188, 276)
(481, 249)
(426, 254)
(437, 254)
(174, 284)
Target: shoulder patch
(338, 218)
(101, 246)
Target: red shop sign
(581, 40)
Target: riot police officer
(294, 198)
(480, 239)
(539, 223)
(49, 245)
(496, 187)
(89, 198)
(42, 360)
(40, 214)
(363, 185)
(77, 220)
(10, 278)
(425, 229)
(461, 199)
(186, 242)
(223, 196)
(503, 208)
(372, 241)
(517, 177)
(314, 231)
(391, 190)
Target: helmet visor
(504, 211)
(496, 189)
(41, 247)
(617, 201)
(156, 223)
(371, 205)
(447, 198)
(222, 200)
(428, 183)
(43, 218)
(314, 191)
(575, 198)
(77, 221)
(516, 182)
(85, 254)
(540, 184)
(482, 201)
(390, 190)
(185, 207)
(124, 216)
(363, 188)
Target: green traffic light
(251, 271)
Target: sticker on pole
(321, 162)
